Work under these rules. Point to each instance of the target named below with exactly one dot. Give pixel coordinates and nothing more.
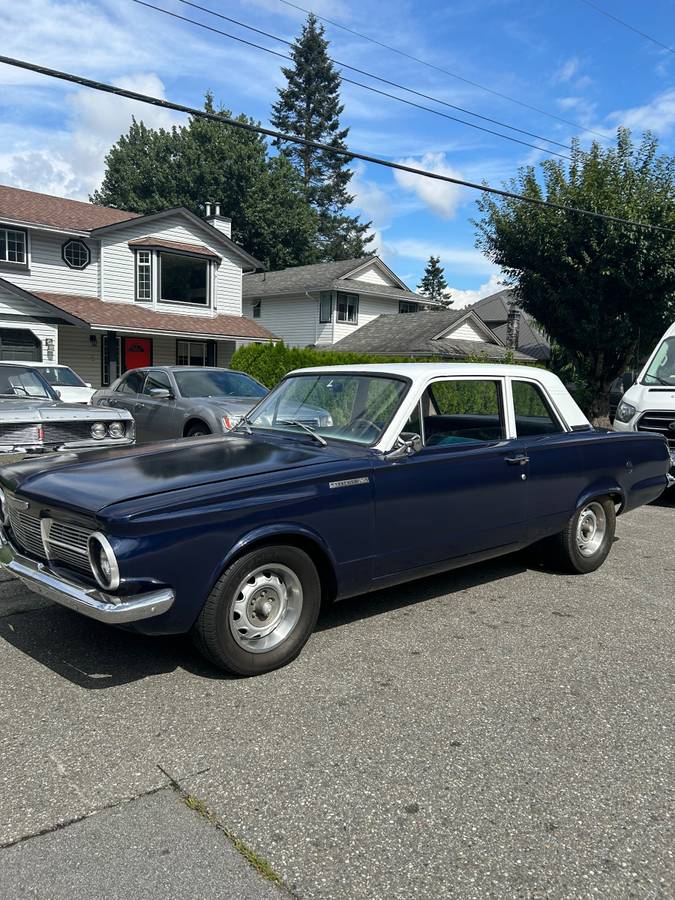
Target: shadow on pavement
(96, 656)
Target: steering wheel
(360, 427)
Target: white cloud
(567, 71)
(438, 196)
(658, 115)
(462, 298)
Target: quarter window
(532, 410)
(143, 276)
(13, 245)
(325, 306)
(348, 308)
(460, 411)
(76, 254)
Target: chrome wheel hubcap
(266, 608)
(591, 529)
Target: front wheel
(197, 431)
(584, 544)
(261, 611)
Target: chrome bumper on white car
(82, 598)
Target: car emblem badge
(348, 482)
(17, 504)
(671, 427)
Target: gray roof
(328, 276)
(494, 310)
(416, 334)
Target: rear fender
(603, 488)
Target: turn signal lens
(230, 421)
(99, 431)
(116, 430)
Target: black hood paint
(88, 482)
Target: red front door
(136, 352)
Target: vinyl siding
(41, 330)
(293, 319)
(118, 267)
(369, 308)
(374, 275)
(467, 332)
(48, 272)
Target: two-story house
(322, 303)
(103, 290)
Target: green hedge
(269, 363)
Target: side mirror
(87, 384)
(57, 392)
(161, 394)
(406, 447)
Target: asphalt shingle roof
(494, 310)
(57, 212)
(415, 334)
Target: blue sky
(564, 58)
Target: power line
(430, 65)
(360, 84)
(317, 145)
(395, 84)
(614, 18)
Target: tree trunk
(599, 408)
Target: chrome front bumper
(81, 597)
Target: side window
(156, 379)
(533, 413)
(131, 383)
(460, 411)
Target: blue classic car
(237, 539)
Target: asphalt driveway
(502, 731)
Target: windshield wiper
(245, 422)
(307, 428)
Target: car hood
(88, 482)
(30, 409)
(237, 405)
(73, 394)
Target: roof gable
(32, 208)
(204, 227)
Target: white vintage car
(33, 419)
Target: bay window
(183, 279)
(143, 276)
(325, 306)
(348, 308)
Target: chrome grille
(19, 434)
(659, 422)
(26, 531)
(68, 544)
(63, 432)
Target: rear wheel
(261, 611)
(199, 429)
(584, 544)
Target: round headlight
(103, 561)
(99, 431)
(116, 430)
(4, 511)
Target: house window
(183, 279)
(76, 254)
(13, 246)
(257, 309)
(348, 308)
(143, 276)
(325, 306)
(195, 353)
(407, 306)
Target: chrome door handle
(520, 460)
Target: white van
(649, 405)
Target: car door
(125, 396)
(556, 469)
(463, 492)
(156, 418)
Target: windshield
(662, 368)
(61, 376)
(16, 381)
(210, 383)
(343, 406)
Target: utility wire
(379, 78)
(430, 65)
(614, 18)
(346, 153)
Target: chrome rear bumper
(81, 597)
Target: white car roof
(36, 365)
(421, 373)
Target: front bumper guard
(80, 597)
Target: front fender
(282, 529)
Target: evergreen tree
(433, 285)
(151, 170)
(309, 106)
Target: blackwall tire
(261, 611)
(584, 544)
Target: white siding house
(103, 289)
(323, 303)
